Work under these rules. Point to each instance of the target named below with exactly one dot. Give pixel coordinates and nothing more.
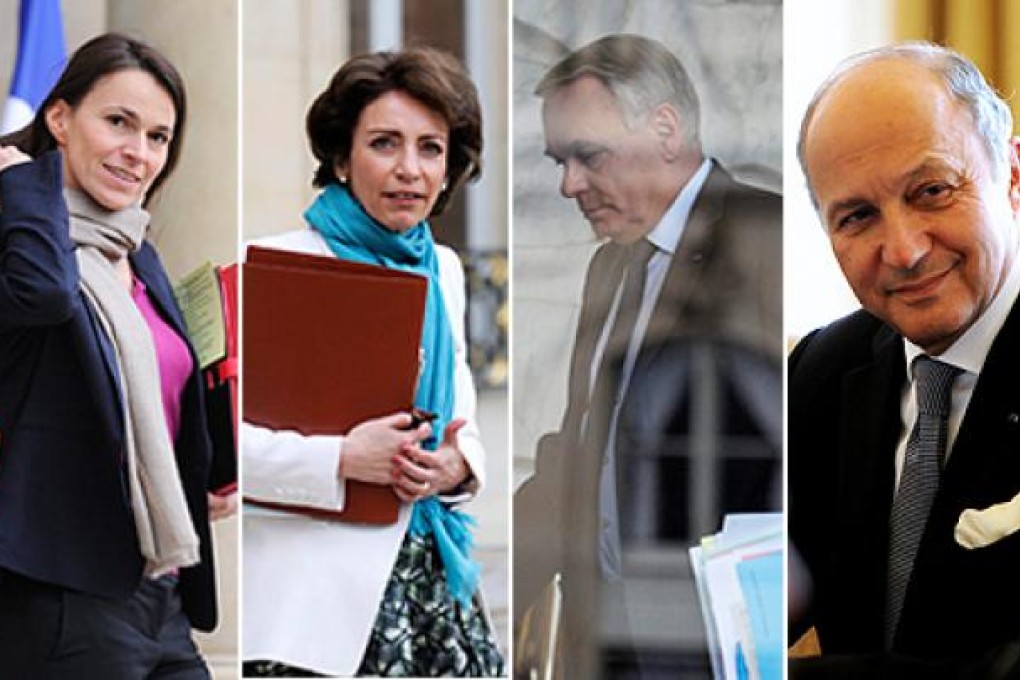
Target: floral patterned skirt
(420, 630)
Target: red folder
(221, 391)
(329, 344)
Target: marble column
(291, 49)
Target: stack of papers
(739, 574)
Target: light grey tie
(922, 467)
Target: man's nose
(574, 180)
(905, 242)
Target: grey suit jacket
(724, 286)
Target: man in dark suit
(908, 157)
(690, 266)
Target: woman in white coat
(395, 135)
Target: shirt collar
(666, 234)
(970, 349)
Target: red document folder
(329, 344)
(221, 391)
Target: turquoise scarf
(352, 235)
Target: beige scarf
(165, 532)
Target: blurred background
(194, 217)
(290, 50)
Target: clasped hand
(383, 451)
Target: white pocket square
(980, 528)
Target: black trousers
(50, 632)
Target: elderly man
(690, 259)
(904, 415)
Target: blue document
(761, 580)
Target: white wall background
(818, 36)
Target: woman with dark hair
(105, 550)
(395, 133)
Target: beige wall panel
(290, 51)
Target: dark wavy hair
(435, 78)
(99, 57)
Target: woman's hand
(12, 155)
(418, 473)
(221, 507)
(371, 447)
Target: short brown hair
(99, 57)
(435, 78)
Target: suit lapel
(696, 253)
(985, 463)
(869, 428)
(600, 286)
(149, 271)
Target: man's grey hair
(991, 116)
(640, 73)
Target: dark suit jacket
(723, 286)
(65, 516)
(844, 399)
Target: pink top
(172, 354)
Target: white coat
(312, 588)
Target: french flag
(41, 59)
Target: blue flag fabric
(41, 58)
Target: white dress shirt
(968, 354)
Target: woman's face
(115, 141)
(398, 160)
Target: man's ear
(669, 130)
(1014, 175)
(58, 116)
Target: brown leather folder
(329, 344)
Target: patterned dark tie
(922, 466)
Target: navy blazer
(844, 400)
(65, 515)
